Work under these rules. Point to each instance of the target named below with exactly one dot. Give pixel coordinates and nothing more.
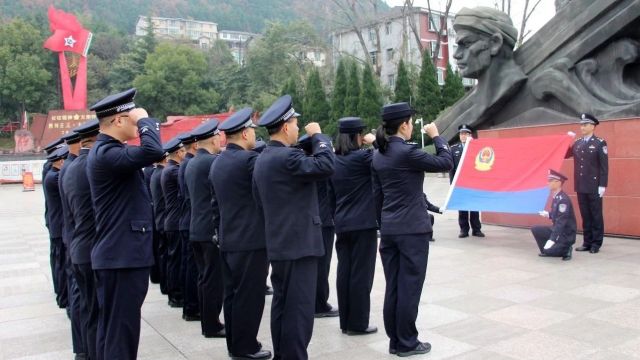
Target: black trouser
(324, 267)
(74, 310)
(356, 251)
(404, 259)
(162, 261)
(189, 277)
(89, 309)
(120, 294)
(57, 259)
(174, 263)
(245, 273)
(155, 274)
(292, 307)
(210, 285)
(469, 217)
(592, 220)
(542, 234)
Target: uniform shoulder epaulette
(414, 144)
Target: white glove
(571, 133)
(601, 190)
(549, 244)
(544, 214)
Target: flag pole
(455, 177)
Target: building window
(389, 54)
(391, 80)
(387, 28)
(372, 35)
(434, 23)
(440, 76)
(433, 45)
(374, 57)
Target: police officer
(154, 274)
(172, 201)
(78, 195)
(159, 209)
(240, 225)
(72, 139)
(398, 171)
(122, 254)
(189, 275)
(591, 175)
(356, 226)
(285, 178)
(202, 230)
(465, 218)
(54, 218)
(327, 206)
(557, 240)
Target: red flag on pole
(68, 33)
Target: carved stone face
(473, 55)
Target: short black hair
(346, 143)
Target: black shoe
(81, 356)
(567, 256)
(175, 303)
(195, 317)
(478, 234)
(392, 351)
(583, 248)
(543, 255)
(432, 239)
(268, 290)
(422, 348)
(344, 331)
(261, 354)
(367, 331)
(332, 312)
(463, 235)
(594, 250)
(219, 334)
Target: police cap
(52, 146)
(115, 104)
(187, 138)
(172, 145)
(395, 113)
(59, 153)
(465, 128)
(88, 129)
(238, 121)
(351, 125)
(280, 111)
(71, 137)
(304, 143)
(555, 175)
(206, 130)
(588, 119)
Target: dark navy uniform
(241, 236)
(465, 218)
(563, 231)
(191, 308)
(202, 231)
(591, 171)
(356, 229)
(78, 195)
(53, 247)
(405, 227)
(123, 251)
(154, 274)
(160, 241)
(285, 178)
(173, 201)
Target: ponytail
(381, 139)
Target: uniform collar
(105, 137)
(189, 155)
(202, 151)
(84, 151)
(232, 146)
(173, 162)
(394, 138)
(275, 143)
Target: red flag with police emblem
(506, 175)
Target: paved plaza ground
(490, 298)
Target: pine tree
(291, 88)
(316, 106)
(402, 91)
(339, 92)
(370, 99)
(453, 89)
(429, 98)
(353, 92)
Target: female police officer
(398, 174)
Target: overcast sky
(543, 12)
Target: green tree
(292, 88)
(453, 88)
(25, 81)
(370, 99)
(316, 107)
(353, 91)
(339, 92)
(403, 91)
(131, 64)
(174, 81)
(429, 98)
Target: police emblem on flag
(485, 159)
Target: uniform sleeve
(603, 157)
(442, 161)
(378, 196)
(315, 167)
(569, 153)
(214, 199)
(430, 206)
(561, 220)
(133, 158)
